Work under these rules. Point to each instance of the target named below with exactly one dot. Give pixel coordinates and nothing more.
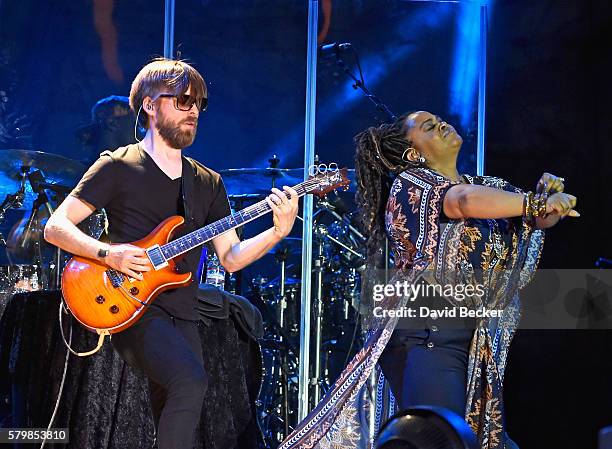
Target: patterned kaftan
(500, 254)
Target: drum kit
(338, 260)
(34, 183)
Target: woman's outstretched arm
(472, 201)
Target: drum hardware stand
(342, 245)
(36, 180)
(318, 378)
(30, 227)
(281, 257)
(274, 409)
(274, 161)
(12, 201)
(285, 408)
(326, 205)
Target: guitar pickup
(155, 255)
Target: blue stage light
(375, 66)
(463, 84)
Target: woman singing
(448, 230)
(455, 230)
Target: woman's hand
(562, 204)
(550, 184)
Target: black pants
(169, 351)
(426, 367)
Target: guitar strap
(187, 192)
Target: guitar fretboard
(208, 232)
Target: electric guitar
(105, 300)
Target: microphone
(333, 49)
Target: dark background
(547, 110)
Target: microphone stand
(359, 83)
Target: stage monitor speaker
(424, 427)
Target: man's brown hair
(164, 76)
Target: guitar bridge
(156, 257)
(115, 277)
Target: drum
(286, 312)
(19, 278)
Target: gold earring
(405, 154)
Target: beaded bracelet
(541, 204)
(528, 207)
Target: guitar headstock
(324, 178)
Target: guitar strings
(218, 227)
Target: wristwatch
(102, 253)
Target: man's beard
(172, 133)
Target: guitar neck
(200, 236)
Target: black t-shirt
(137, 195)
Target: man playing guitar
(139, 186)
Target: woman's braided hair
(380, 157)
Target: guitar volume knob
(100, 299)
(134, 290)
(114, 308)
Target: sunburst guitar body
(93, 297)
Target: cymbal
(290, 280)
(259, 180)
(57, 170)
(240, 181)
(289, 246)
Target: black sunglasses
(185, 102)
